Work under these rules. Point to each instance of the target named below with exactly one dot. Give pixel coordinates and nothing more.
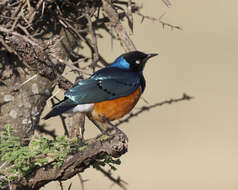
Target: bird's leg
(113, 127)
(103, 131)
(106, 130)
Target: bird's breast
(117, 108)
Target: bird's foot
(115, 129)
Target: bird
(109, 93)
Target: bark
(28, 82)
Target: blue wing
(106, 84)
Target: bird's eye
(137, 62)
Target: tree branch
(115, 146)
(159, 20)
(147, 108)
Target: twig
(82, 181)
(70, 185)
(61, 185)
(95, 54)
(66, 24)
(70, 65)
(33, 13)
(5, 30)
(24, 30)
(26, 81)
(147, 108)
(93, 47)
(130, 15)
(121, 183)
(29, 6)
(168, 24)
(167, 3)
(52, 96)
(8, 48)
(21, 6)
(158, 20)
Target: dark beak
(142, 65)
(151, 55)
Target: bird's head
(134, 60)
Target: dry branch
(132, 115)
(159, 20)
(115, 146)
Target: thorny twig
(158, 20)
(118, 181)
(147, 108)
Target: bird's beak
(151, 55)
(142, 65)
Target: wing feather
(106, 84)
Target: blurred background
(190, 144)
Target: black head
(137, 59)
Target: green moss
(103, 138)
(41, 151)
(21, 160)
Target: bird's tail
(60, 108)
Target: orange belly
(117, 108)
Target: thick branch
(115, 146)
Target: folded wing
(106, 84)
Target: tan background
(188, 145)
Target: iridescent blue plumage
(121, 63)
(106, 84)
(119, 79)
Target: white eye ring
(137, 62)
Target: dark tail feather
(60, 108)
